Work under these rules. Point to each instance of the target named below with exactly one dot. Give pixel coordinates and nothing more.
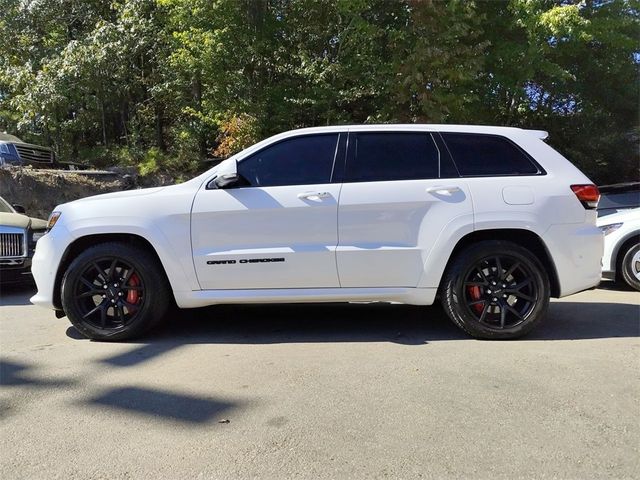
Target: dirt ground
(40, 190)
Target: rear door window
(488, 155)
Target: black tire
(495, 290)
(135, 299)
(630, 266)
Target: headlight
(53, 218)
(35, 236)
(607, 229)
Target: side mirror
(226, 180)
(18, 208)
(227, 175)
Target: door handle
(449, 190)
(311, 195)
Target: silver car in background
(18, 236)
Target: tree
(571, 69)
(166, 82)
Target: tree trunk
(196, 90)
(159, 128)
(123, 121)
(103, 115)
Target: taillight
(587, 194)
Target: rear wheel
(630, 266)
(114, 291)
(496, 290)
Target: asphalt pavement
(323, 391)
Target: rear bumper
(576, 250)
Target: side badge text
(244, 260)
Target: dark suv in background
(14, 151)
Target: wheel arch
(525, 238)
(86, 241)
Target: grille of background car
(32, 153)
(11, 244)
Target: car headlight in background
(607, 229)
(53, 218)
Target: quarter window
(392, 156)
(483, 155)
(302, 160)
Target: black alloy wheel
(115, 291)
(496, 290)
(500, 291)
(108, 293)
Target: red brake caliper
(133, 295)
(475, 294)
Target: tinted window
(479, 155)
(392, 156)
(611, 202)
(297, 161)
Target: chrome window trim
(17, 230)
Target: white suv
(491, 220)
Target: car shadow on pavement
(586, 320)
(313, 323)
(321, 323)
(16, 294)
(291, 323)
(402, 324)
(612, 286)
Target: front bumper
(49, 251)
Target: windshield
(5, 207)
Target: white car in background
(621, 260)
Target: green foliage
(150, 161)
(162, 84)
(237, 132)
(571, 69)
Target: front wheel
(496, 290)
(114, 291)
(630, 266)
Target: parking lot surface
(323, 391)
